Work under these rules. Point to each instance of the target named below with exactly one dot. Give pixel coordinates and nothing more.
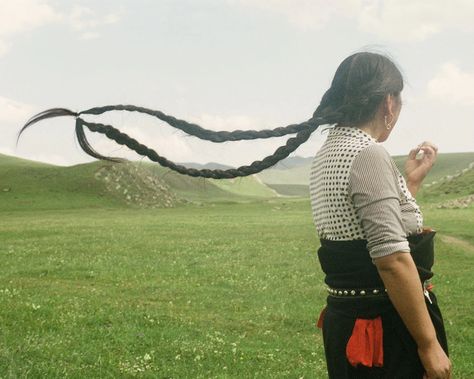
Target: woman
(380, 320)
(377, 322)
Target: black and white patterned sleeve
(373, 190)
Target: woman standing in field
(381, 319)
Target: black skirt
(347, 264)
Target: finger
(429, 152)
(435, 148)
(428, 159)
(413, 152)
(428, 143)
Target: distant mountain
(293, 162)
(287, 163)
(209, 166)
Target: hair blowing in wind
(360, 83)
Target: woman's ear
(392, 106)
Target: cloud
(414, 20)
(216, 122)
(3, 47)
(166, 141)
(393, 20)
(86, 21)
(453, 85)
(89, 35)
(235, 153)
(14, 112)
(180, 147)
(305, 14)
(21, 16)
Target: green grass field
(224, 287)
(216, 291)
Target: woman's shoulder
(374, 154)
(374, 165)
(375, 150)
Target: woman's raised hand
(417, 169)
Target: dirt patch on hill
(462, 202)
(136, 186)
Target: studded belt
(353, 292)
(365, 292)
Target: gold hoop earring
(389, 125)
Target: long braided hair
(360, 84)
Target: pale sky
(225, 64)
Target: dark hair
(360, 84)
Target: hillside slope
(446, 164)
(201, 189)
(29, 185)
(294, 180)
(451, 191)
(32, 185)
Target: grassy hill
(201, 189)
(453, 191)
(27, 184)
(294, 179)
(9, 161)
(446, 164)
(31, 185)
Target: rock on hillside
(462, 202)
(459, 181)
(136, 186)
(460, 184)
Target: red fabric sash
(319, 323)
(365, 346)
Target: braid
(123, 139)
(357, 90)
(302, 130)
(198, 131)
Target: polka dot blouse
(357, 192)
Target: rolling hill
(291, 176)
(27, 184)
(453, 191)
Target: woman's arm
(373, 189)
(399, 274)
(417, 169)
